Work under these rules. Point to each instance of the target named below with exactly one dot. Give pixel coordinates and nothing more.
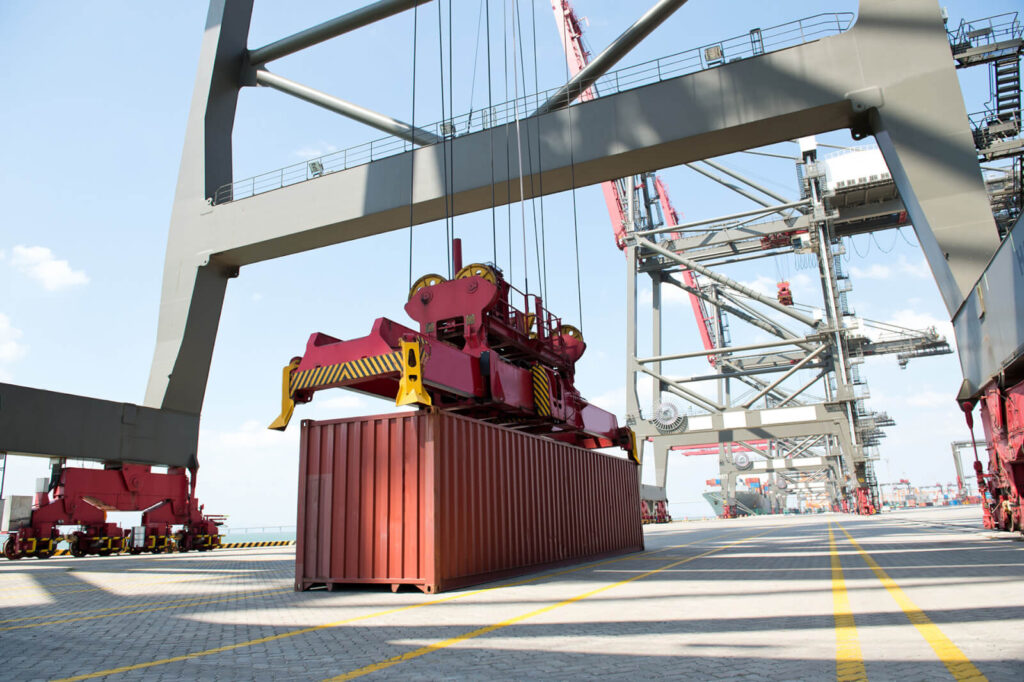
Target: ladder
(872, 481)
(1006, 89)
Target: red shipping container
(439, 501)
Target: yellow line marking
(131, 611)
(416, 653)
(959, 666)
(354, 619)
(849, 660)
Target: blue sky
(96, 99)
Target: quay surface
(907, 595)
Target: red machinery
(864, 504)
(82, 497)
(1002, 488)
(785, 296)
(475, 354)
(660, 514)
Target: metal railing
(710, 55)
(987, 31)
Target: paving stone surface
(743, 599)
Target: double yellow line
(849, 661)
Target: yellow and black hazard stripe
(346, 371)
(541, 391)
(267, 543)
(230, 545)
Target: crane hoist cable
(476, 57)
(519, 143)
(542, 251)
(451, 141)
(572, 180)
(412, 164)
(508, 149)
(537, 240)
(445, 131)
(490, 118)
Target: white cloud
(918, 269)
(10, 350)
(875, 271)
(257, 297)
(3, 254)
(39, 263)
(766, 286)
(921, 321)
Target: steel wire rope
(444, 137)
(508, 149)
(540, 159)
(451, 112)
(857, 251)
(909, 243)
(891, 246)
(519, 145)
(490, 134)
(412, 147)
(538, 239)
(476, 63)
(572, 182)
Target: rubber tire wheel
(44, 555)
(135, 551)
(77, 551)
(11, 549)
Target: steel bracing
(844, 81)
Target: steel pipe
(330, 29)
(747, 181)
(721, 219)
(744, 315)
(379, 121)
(801, 389)
(725, 349)
(790, 372)
(685, 393)
(776, 327)
(727, 282)
(725, 183)
(600, 65)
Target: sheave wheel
(477, 270)
(424, 282)
(571, 331)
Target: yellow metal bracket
(287, 404)
(410, 386)
(634, 450)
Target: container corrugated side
(438, 501)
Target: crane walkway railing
(755, 43)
